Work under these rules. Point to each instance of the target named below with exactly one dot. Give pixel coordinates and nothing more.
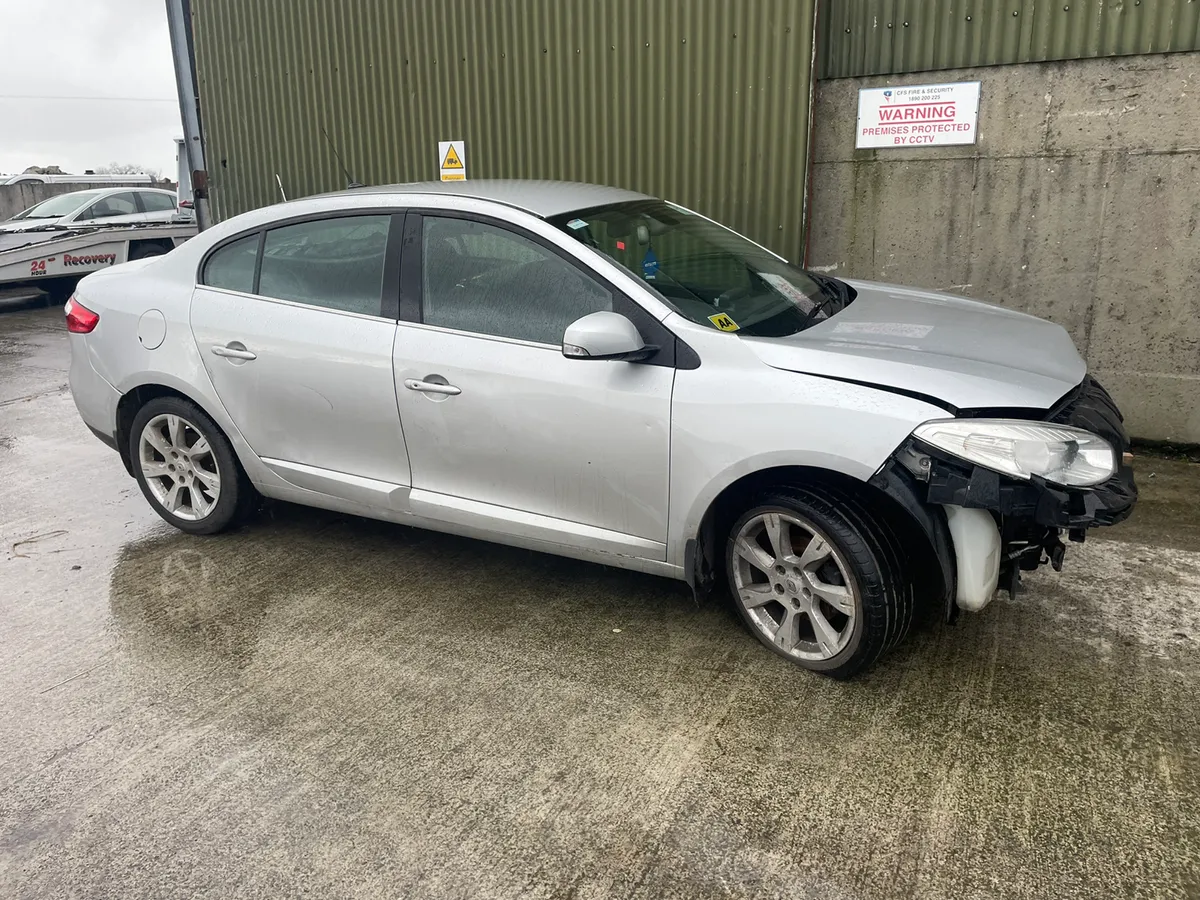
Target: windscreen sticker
(576, 224)
(789, 290)
(649, 264)
(723, 322)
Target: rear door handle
(233, 352)
(431, 387)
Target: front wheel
(186, 467)
(819, 579)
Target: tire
(208, 489)
(147, 251)
(838, 598)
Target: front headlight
(1062, 455)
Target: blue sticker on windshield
(576, 224)
(649, 265)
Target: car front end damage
(985, 526)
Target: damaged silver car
(600, 374)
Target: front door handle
(233, 352)
(431, 387)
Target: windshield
(57, 207)
(710, 274)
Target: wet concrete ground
(328, 706)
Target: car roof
(98, 192)
(140, 188)
(542, 198)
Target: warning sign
(723, 322)
(918, 116)
(452, 160)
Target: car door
(112, 209)
(504, 432)
(295, 326)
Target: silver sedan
(604, 375)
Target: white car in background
(103, 206)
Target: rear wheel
(819, 579)
(186, 467)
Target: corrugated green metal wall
(705, 102)
(877, 37)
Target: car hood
(26, 224)
(967, 354)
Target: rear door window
(335, 263)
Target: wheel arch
(142, 392)
(138, 248)
(920, 529)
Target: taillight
(80, 319)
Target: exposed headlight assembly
(1062, 455)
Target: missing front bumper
(1029, 517)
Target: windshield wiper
(835, 291)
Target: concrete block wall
(1080, 203)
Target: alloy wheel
(792, 583)
(180, 467)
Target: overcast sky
(115, 52)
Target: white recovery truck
(46, 263)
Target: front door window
(487, 280)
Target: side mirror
(605, 335)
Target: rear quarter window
(232, 266)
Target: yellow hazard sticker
(723, 322)
(452, 160)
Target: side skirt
(310, 486)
